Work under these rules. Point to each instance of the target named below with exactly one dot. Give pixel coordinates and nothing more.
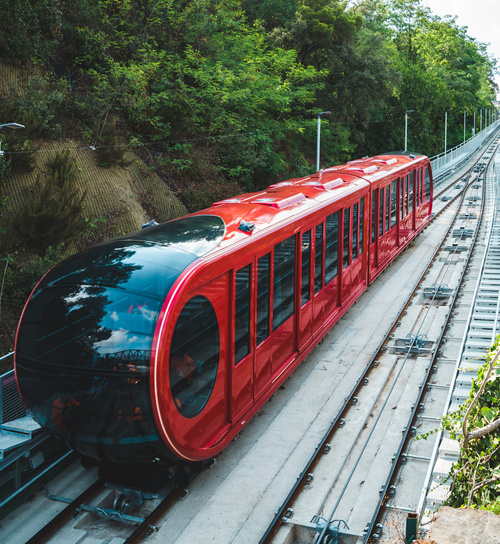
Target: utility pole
(319, 136)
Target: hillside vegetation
(138, 110)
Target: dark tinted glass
(263, 296)
(387, 207)
(361, 224)
(355, 212)
(427, 185)
(374, 215)
(394, 202)
(132, 266)
(407, 193)
(402, 198)
(100, 415)
(306, 267)
(318, 259)
(89, 327)
(242, 314)
(194, 356)
(284, 281)
(381, 213)
(331, 246)
(198, 234)
(410, 192)
(347, 236)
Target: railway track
(179, 525)
(377, 465)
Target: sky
(481, 17)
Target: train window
(394, 202)
(347, 236)
(402, 198)
(318, 259)
(263, 296)
(194, 356)
(90, 327)
(361, 224)
(355, 219)
(242, 313)
(331, 246)
(306, 267)
(421, 197)
(374, 214)
(381, 213)
(427, 185)
(417, 188)
(410, 192)
(284, 281)
(406, 195)
(387, 208)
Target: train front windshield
(84, 343)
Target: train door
(306, 290)
(353, 257)
(197, 367)
(242, 360)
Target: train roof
(178, 243)
(252, 213)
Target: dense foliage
(220, 97)
(475, 478)
(225, 94)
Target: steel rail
(61, 518)
(495, 224)
(411, 425)
(304, 476)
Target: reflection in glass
(263, 297)
(318, 259)
(331, 246)
(306, 267)
(242, 314)
(194, 356)
(347, 235)
(361, 224)
(394, 202)
(410, 191)
(374, 215)
(355, 231)
(381, 212)
(284, 281)
(387, 208)
(427, 184)
(85, 339)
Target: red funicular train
(159, 346)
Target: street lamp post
(406, 128)
(465, 121)
(319, 136)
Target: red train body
(248, 287)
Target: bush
(52, 212)
(110, 151)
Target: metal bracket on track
(413, 344)
(438, 291)
(335, 530)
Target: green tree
(475, 478)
